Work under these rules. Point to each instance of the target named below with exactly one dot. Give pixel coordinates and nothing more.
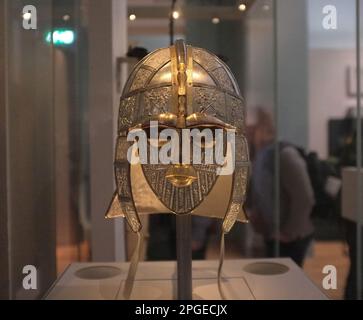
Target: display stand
(184, 256)
(244, 279)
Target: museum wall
(106, 18)
(259, 90)
(291, 69)
(328, 69)
(312, 61)
(332, 60)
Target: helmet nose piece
(181, 175)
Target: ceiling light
(215, 20)
(242, 7)
(176, 14)
(66, 17)
(132, 17)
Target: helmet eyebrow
(199, 119)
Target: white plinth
(276, 279)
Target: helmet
(180, 87)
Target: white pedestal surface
(246, 279)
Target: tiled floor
(328, 253)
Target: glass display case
(63, 67)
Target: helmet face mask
(181, 89)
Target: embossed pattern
(141, 78)
(205, 59)
(241, 149)
(236, 113)
(157, 101)
(121, 178)
(239, 191)
(180, 200)
(158, 58)
(125, 194)
(223, 79)
(213, 92)
(210, 101)
(127, 112)
(121, 149)
(231, 216)
(238, 197)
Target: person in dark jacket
(296, 196)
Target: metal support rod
(184, 256)
(277, 132)
(171, 22)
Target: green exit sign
(61, 37)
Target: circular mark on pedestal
(266, 268)
(98, 272)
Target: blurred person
(162, 237)
(296, 194)
(201, 230)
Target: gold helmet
(180, 87)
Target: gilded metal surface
(223, 79)
(204, 58)
(127, 112)
(141, 77)
(114, 209)
(181, 87)
(237, 199)
(210, 88)
(181, 175)
(210, 101)
(124, 189)
(236, 113)
(180, 200)
(156, 101)
(157, 58)
(240, 180)
(241, 150)
(122, 146)
(203, 119)
(123, 182)
(163, 76)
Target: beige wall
(327, 92)
(107, 41)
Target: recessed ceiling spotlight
(66, 17)
(132, 17)
(242, 7)
(176, 14)
(215, 20)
